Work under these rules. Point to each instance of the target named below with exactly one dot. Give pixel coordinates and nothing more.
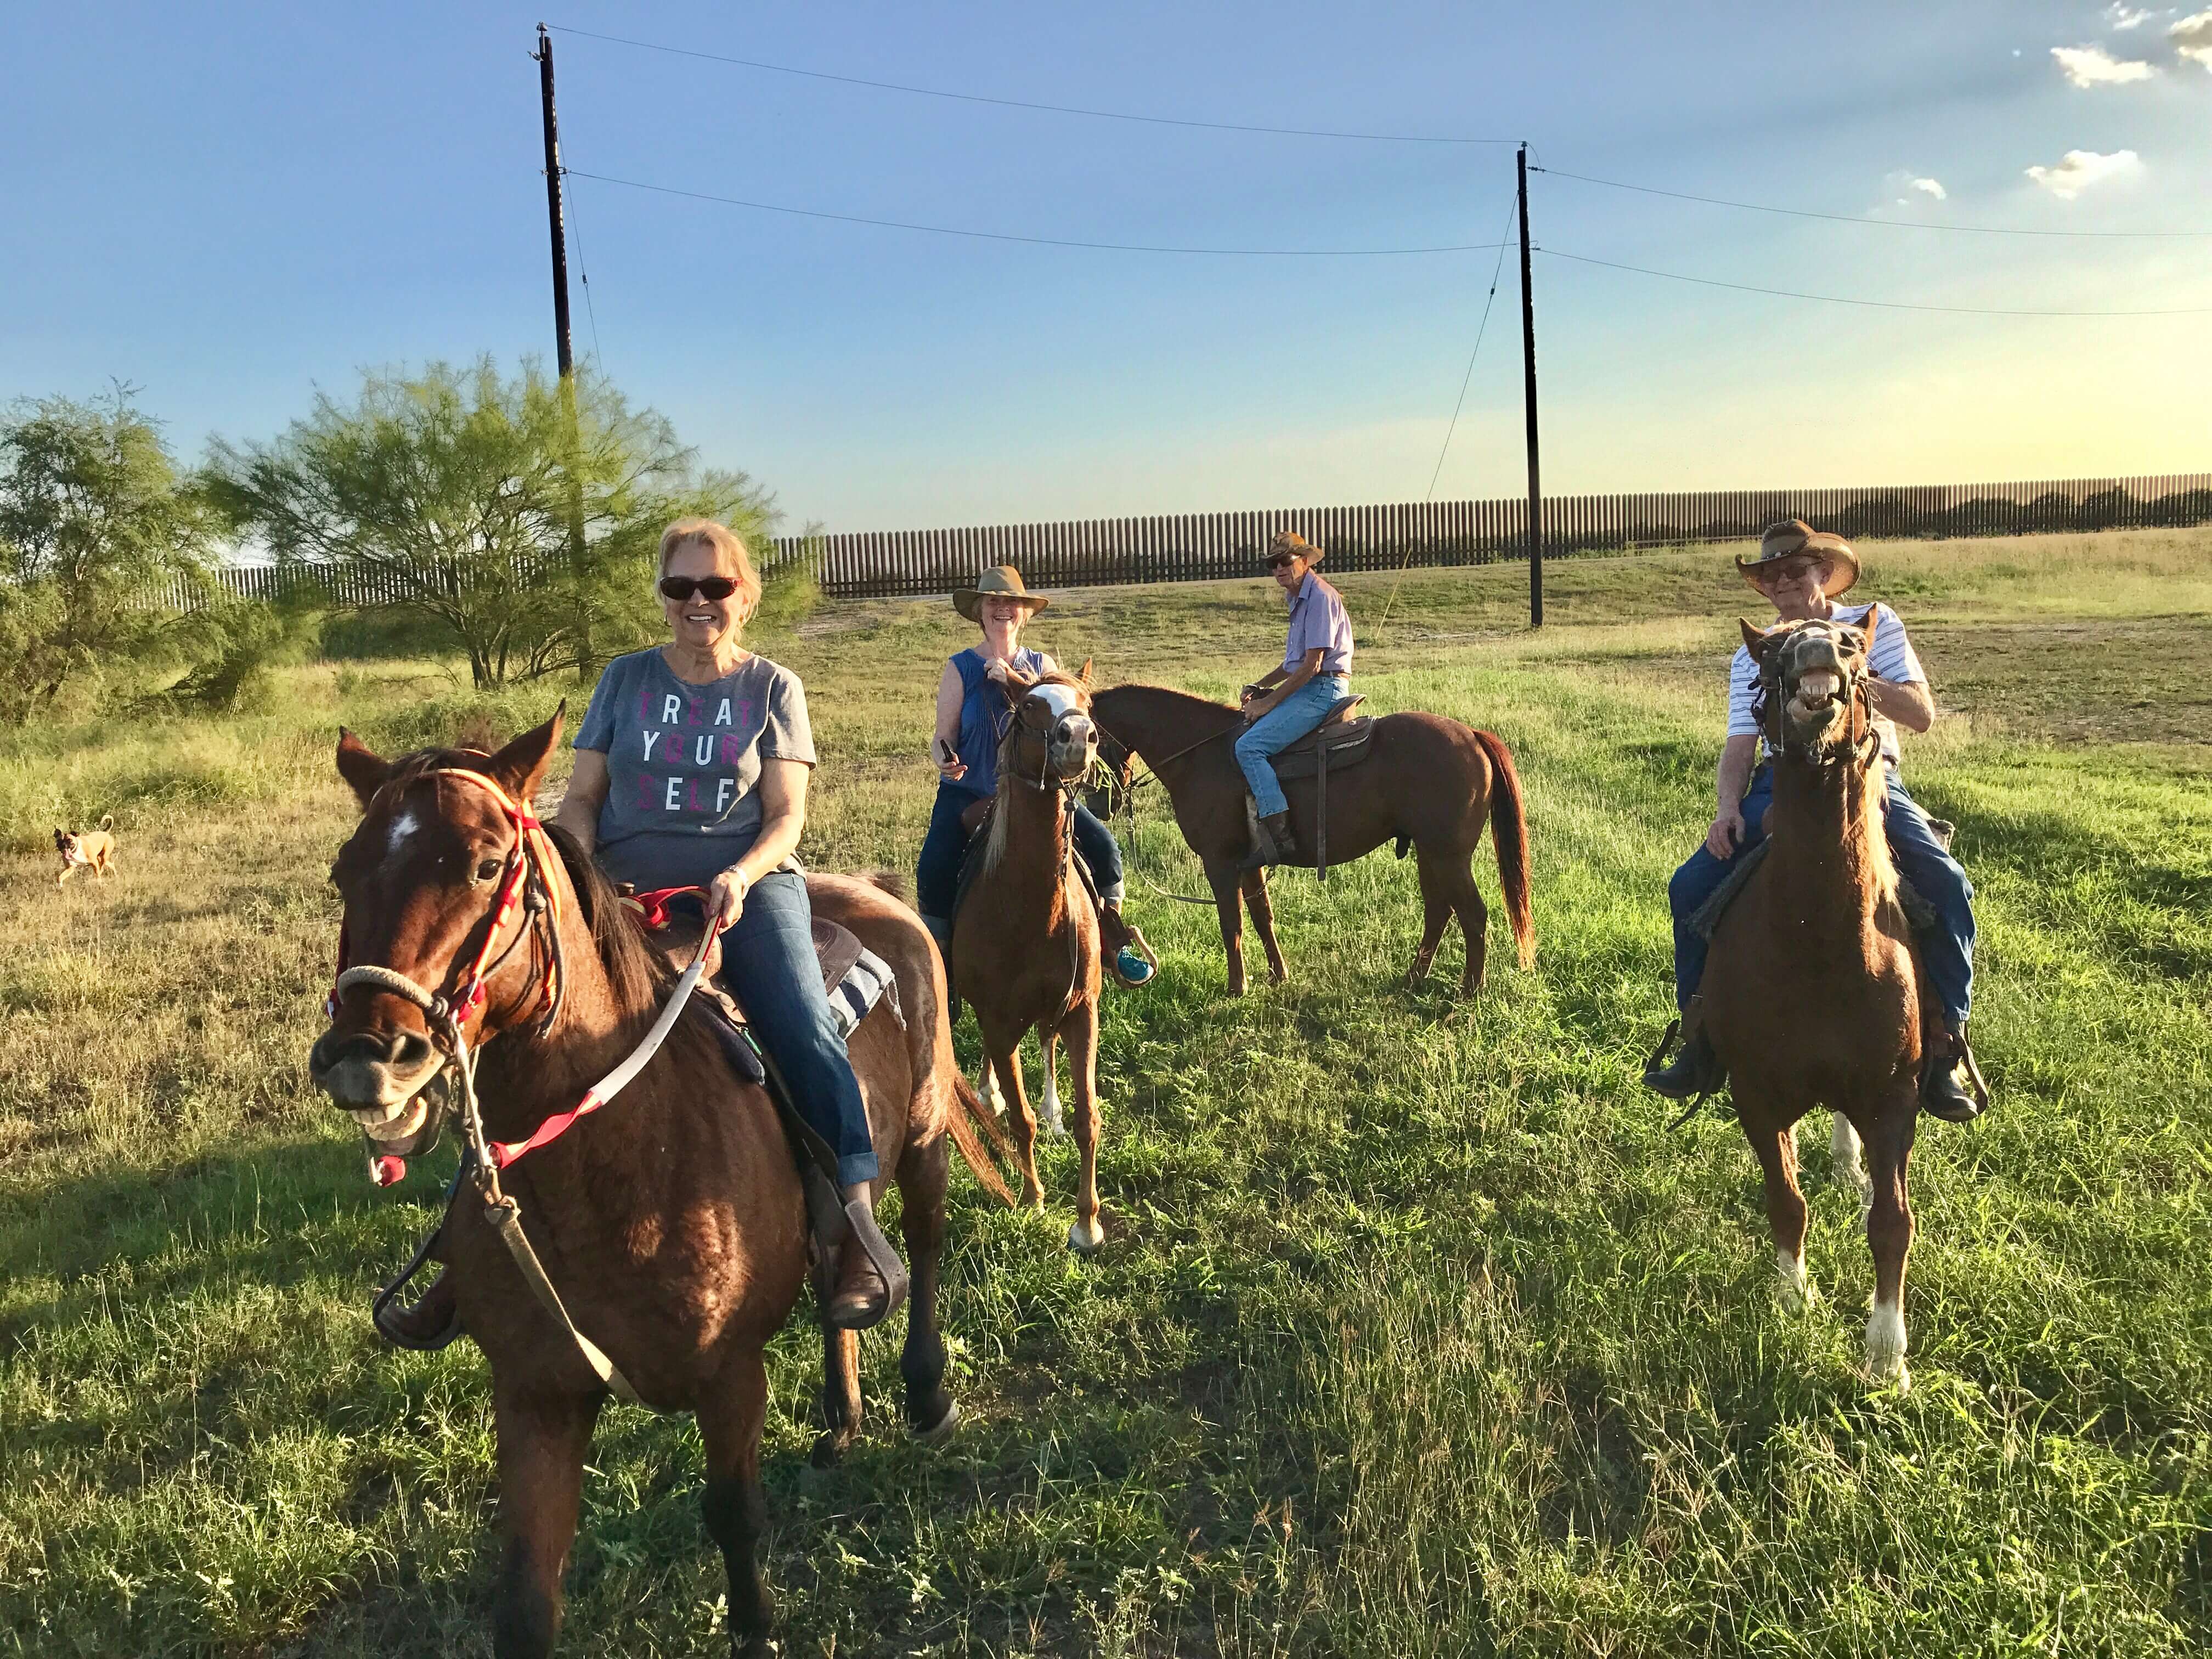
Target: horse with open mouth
(650, 1249)
(1814, 995)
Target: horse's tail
(1509, 832)
(962, 1123)
(890, 882)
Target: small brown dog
(86, 849)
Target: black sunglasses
(1282, 561)
(681, 588)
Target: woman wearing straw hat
(1802, 572)
(1289, 701)
(973, 708)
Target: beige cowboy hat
(1794, 536)
(1289, 541)
(1000, 581)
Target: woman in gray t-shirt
(691, 770)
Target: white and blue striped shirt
(1894, 660)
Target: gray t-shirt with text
(683, 763)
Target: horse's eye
(487, 869)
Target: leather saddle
(673, 928)
(1338, 742)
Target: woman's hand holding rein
(727, 897)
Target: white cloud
(2092, 66)
(2192, 38)
(2123, 17)
(1930, 187)
(2078, 169)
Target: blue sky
(231, 206)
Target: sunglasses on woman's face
(680, 588)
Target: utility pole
(586, 657)
(1528, 376)
(545, 57)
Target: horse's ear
(1083, 673)
(519, 768)
(361, 767)
(1867, 630)
(1754, 639)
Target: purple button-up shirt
(1318, 620)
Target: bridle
(1770, 699)
(1067, 789)
(523, 882)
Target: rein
(484, 1157)
(1129, 815)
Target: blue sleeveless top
(983, 717)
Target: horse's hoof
(1792, 1288)
(1085, 1237)
(1885, 1348)
(830, 1449)
(941, 1429)
(1054, 1129)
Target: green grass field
(1420, 1336)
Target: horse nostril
(410, 1049)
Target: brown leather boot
(1274, 844)
(870, 1278)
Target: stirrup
(1699, 1091)
(1142, 947)
(1976, 1089)
(860, 1231)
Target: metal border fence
(1185, 547)
(1207, 546)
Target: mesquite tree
(455, 495)
(95, 533)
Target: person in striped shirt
(1802, 572)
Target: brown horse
(671, 1223)
(1812, 995)
(1026, 936)
(1427, 782)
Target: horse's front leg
(1777, 1149)
(1262, 907)
(731, 1413)
(543, 1442)
(1007, 1067)
(840, 1379)
(1889, 1233)
(1227, 882)
(1080, 1028)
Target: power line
(1041, 241)
(1883, 305)
(1018, 103)
(1481, 328)
(583, 270)
(1851, 219)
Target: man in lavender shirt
(1286, 702)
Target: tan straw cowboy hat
(1289, 541)
(1794, 536)
(1000, 581)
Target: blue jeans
(1277, 730)
(769, 965)
(937, 874)
(1947, 950)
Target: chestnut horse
(671, 1224)
(1426, 782)
(1811, 993)
(1025, 935)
